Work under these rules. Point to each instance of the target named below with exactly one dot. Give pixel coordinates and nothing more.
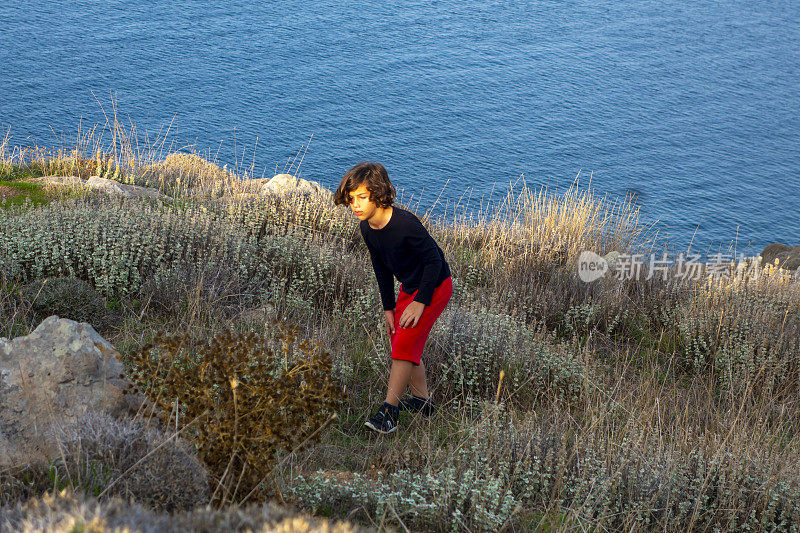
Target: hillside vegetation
(620, 404)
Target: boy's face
(360, 203)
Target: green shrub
(502, 464)
(132, 247)
(117, 244)
(473, 345)
(449, 500)
(67, 297)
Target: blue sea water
(691, 107)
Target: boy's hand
(389, 321)
(411, 315)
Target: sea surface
(689, 109)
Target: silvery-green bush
(116, 244)
(467, 489)
(502, 464)
(119, 246)
(449, 500)
(625, 485)
(748, 336)
(472, 344)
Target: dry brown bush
(246, 396)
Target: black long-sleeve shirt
(404, 248)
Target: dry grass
(69, 512)
(8, 192)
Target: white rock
(120, 189)
(101, 184)
(107, 186)
(48, 378)
(287, 183)
(142, 192)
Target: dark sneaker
(384, 421)
(415, 404)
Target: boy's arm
(424, 247)
(385, 279)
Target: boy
(399, 245)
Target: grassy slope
(642, 403)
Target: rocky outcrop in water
(788, 256)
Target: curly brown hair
(374, 176)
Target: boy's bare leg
(419, 385)
(398, 380)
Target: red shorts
(407, 343)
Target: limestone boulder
(107, 186)
(116, 188)
(280, 185)
(289, 184)
(48, 379)
(788, 256)
(104, 185)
